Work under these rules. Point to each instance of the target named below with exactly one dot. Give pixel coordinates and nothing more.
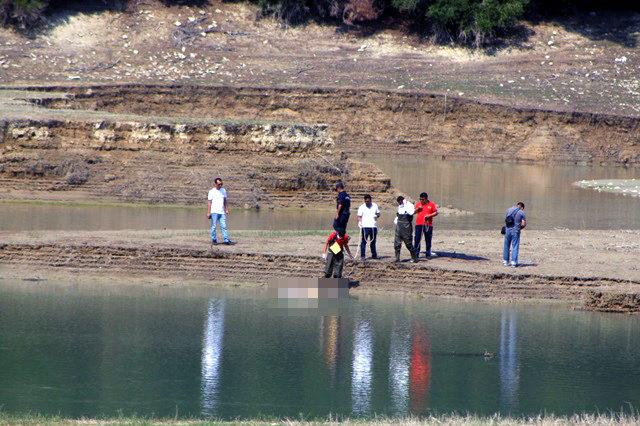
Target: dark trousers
(340, 224)
(404, 234)
(370, 234)
(428, 235)
(334, 265)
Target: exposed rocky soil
(591, 269)
(64, 155)
(377, 121)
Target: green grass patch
(447, 419)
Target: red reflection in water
(420, 368)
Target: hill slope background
(585, 63)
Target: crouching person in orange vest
(333, 252)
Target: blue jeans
(370, 234)
(511, 242)
(222, 218)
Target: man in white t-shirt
(217, 211)
(368, 214)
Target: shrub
(328, 8)
(23, 13)
(475, 20)
(292, 12)
(77, 177)
(360, 11)
(296, 12)
(407, 5)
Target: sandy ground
(575, 266)
(570, 253)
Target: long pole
(445, 107)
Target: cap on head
(400, 199)
(424, 195)
(339, 185)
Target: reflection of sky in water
(212, 355)
(362, 367)
(509, 374)
(399, 366)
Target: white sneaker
(432, 254)
(505, 263)
(513, 264)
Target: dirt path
(593, 269)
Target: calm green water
(79, 350)
(487, 189)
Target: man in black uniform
(343, 204)
(404, 228)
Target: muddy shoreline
(579, 267)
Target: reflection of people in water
(331, 344)
(420, 368)
(509, 373)
(409, 368)
(362, 367)
(399, 346)
(212, 355)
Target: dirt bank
(590, 269)
(87, 155)
(377, 121)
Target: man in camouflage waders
(404, 228)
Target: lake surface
(83, 350)
(488, 189)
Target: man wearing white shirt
(368, 213)
(404, 228)
(217, 211)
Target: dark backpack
(510, 220)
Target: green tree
(406, 5)
(475, 20)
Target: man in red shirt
(425, 212)
(336, 245)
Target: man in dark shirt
(343, 204)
